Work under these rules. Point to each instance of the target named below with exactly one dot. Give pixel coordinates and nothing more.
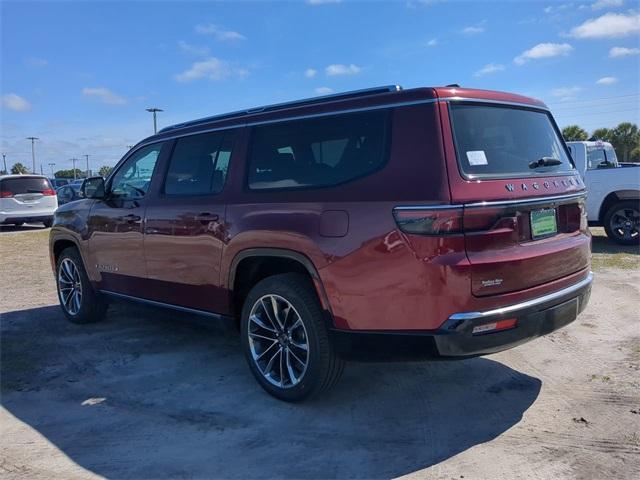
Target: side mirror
(93, 187)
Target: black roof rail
(295, 103)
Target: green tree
(18, 168)
(625, 137)
(104, 170)
(603, 134)
(635, 154)
(69, 173)
(573, 133)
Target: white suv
(26, 199)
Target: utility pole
(74, 167)
(154, 110)
(4, 160)
(41, 172)
(51, 165)
(33, 152)
(87, 172)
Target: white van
(26, 199)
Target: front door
(115, 225)
(185, 224)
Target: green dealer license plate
(543, 223)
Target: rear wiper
(545, 162)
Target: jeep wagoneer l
(445, 222)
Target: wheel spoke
(276, 311)
(297, 358)
(266, 350)
(270, 339)
(282, 369)
(292, 374)
(269, 315)
(269, 366)
(301, 346)
(66, 299)
(258, 321)
(76, 301)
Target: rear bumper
(535, 317)
(22, 218)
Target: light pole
(4, 161)
(154, 110)
(51, 165)
(73, 160)
(87, 172)
(33, 152)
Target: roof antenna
(453, 85)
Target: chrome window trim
(428, 207)
(533, 200)
(497, 102)
(526, 304)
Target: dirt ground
(155, 394)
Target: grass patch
(607, 254)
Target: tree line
(19, 169)
(625, 139)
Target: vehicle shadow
(22, 228)
(155, 394)
(602, 244)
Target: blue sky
(79, 75)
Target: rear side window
(199, 164)
(18, 186)
(318, 152)
(495, 141)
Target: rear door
(524, 214)
(185, 228)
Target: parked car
(26, 199)
(614, 190)
(431, 222)
(58, 182)
(69, 193)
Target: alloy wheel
(69, 286)
(625, 224)
(278, 341)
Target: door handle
(131, 218)
(206, 217)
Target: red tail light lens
(5, 194)
(48, 192)
(429, 221)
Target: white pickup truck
(613, 198)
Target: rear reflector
(5, 194)
(427, 221)
(48, 192)
(494, 326)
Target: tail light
(48, 192)
(429, 221)
(5, 194)
(495, 326)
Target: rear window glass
(599, 157)
(318, 152)
(18, 186)
(494, 141)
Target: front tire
(79, 301)
(622, 222)
(285, 340)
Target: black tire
(92, 305)
(622, 222)
(47, 223)
(323, 367)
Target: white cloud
(557, 8)
(310, 72)
(15, 102)
(617, 52)
(489, 68)
(565, 93)
(36, 62)
(600, 4)
(543, 50)
(104, 95)
(322, 2)
(200, 50)
(432, 43)
(607, 81)
(219, 33)
(609, 25)
(324, 90)
(211, 68)
(339, 69)
(473, 30)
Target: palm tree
(573, 133)
(18, 168)
(603, 134)
(626, 137)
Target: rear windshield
(25, 185)
(497, 141)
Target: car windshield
(494, 141)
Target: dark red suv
(430, 222)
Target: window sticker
(477, 157)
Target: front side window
(497, 141)
(318, 152)
(199, 164)
(601, 157)
(132, 180)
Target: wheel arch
(615, 197)
(251, 265)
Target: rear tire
(80, 303)
(622, 222)
(47, 223)
(285, 339)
